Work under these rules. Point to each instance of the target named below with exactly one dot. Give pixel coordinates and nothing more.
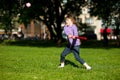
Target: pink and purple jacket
(72, 30)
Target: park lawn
(41, 63)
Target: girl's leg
(76, 53)
(75, 50)
(63, 54)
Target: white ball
(28, 4)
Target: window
(89, 20)
(64, 1)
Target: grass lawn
(41, 63)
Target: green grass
(41, 63)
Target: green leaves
(104, 8)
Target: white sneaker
(88, 68)
(61, 65)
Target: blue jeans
(75, 51)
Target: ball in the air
(28, 4)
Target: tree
(7, 12)
(108, 11)
(51, 12)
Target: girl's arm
(75, 33)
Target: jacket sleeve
(75, 30)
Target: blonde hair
(72, 18)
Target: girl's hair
(72, 18)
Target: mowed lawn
(41, 63)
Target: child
(71, 32)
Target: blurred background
(44, 19)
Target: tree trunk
(52, 34)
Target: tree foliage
(51, 12)
(105, 9)
(8, 9)
(109, 12)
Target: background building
(94, 23)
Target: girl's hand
(70, 36)
(73, 37)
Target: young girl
(70, 29)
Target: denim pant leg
(64, 53)
(76, 53)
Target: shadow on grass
(51, 43)
(67, 62)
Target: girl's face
(69, 21)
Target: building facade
(94, 22)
